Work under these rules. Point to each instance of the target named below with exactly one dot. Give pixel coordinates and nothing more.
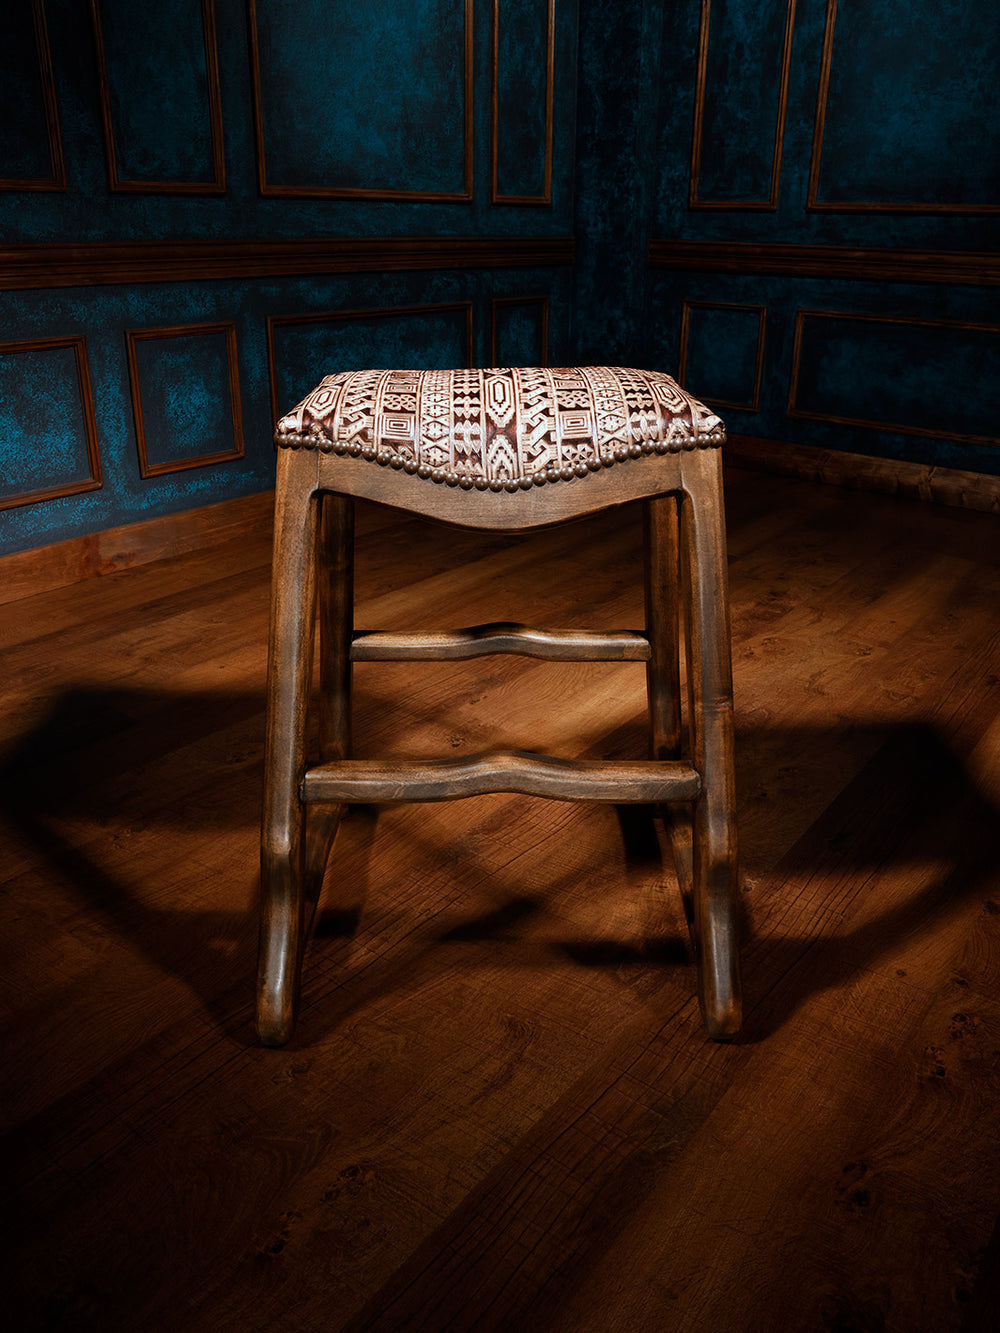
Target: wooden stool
(507, 449)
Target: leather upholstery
(500, 428)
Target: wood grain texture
(499, 1110)
(501, 637)
(961, 267)
(94, 263)
(639, 781)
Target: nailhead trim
(566, 472)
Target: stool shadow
(104, 755)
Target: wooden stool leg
(336, 623)
(336, 618)
(289, 671)
(663, 688)
(710, 686)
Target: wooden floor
(499, 1111)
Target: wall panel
(906, 115)
(721, 356)
(377, 104)
(31, 156)
(185, 396)
(47, 408)
(741, 98)
(932, 377)
(524, 34)
(157, 70)
(519, 331)
(304, 348)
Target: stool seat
(503, 428)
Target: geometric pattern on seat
(502, 428)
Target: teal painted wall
(907, 159)
(865, 124)
(375, 120)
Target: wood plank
(499, 1110)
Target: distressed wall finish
(30, 144)
(520, 331)
(732, 382)
(907, 108)
(394, 79)
(523, 89)
(793, 206)
(890, 146)
(48, 407)
(741, 94)
(186, 400)
(84, 212)
(257, 130)
(156, 66)
(620, 79)
(303, 348)
(884, 360)
(107, 314)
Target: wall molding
(963, 268)
(813, 201)
(95, 263)
(94, 479)
(701, 85)
(499, 302)
(464, 308)
(217, 185)
(758, 372)
(792, 409)
(272, 191)
(134, 336)
(550, 77)
(892, 476)
(57, 180)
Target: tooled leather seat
(502, 428)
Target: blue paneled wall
(793, 206)
(174, 142)
(831, 168)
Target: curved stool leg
(663, 687)
(335, 595)
(710, 686)
(289, 671)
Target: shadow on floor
(192, 762)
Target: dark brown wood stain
(499, 1109)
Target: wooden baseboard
(26, 573)
(915, 481)
(61, 564)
